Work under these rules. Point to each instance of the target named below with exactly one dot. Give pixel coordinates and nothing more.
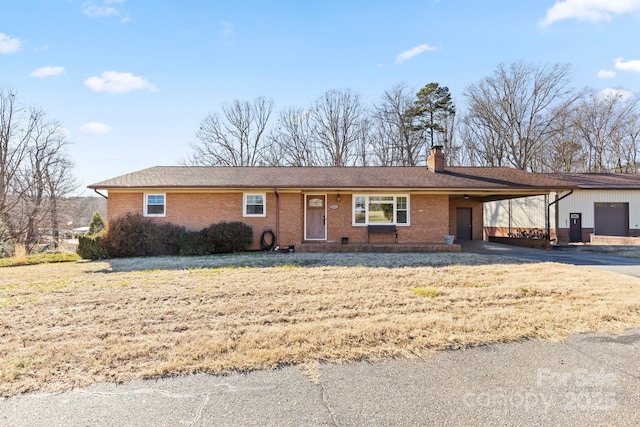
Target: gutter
(549, 213)
(99, 193)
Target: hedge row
(133, 235)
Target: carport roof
(601, 181)
(415, 178)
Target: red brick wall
(563, 235)
(429, 215)
(196, 211)
(476, 216)
(504, 231)
(291, 219)
(614, 240)
(429, 219)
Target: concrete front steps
(375, 247)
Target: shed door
(315, 228)
(611, 219)
(463, 223)
(575, 227)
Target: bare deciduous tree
(607, 124)
(338, 118)
(512, 109)
(35, 172)
(563, 151)
(292, 142)
(394, 140)
(233, 138)
(16, 127)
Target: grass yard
(72, 324)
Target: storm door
(315, 217)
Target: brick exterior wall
(429, 215)
(563, 234)
(504, 231)
(615, 240)
(291, 219)
(476, 216)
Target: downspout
(100, 194)
(549, 214)
(510, 219)
(275, 190)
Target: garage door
(612, 219)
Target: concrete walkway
(589, 380)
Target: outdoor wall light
(338, 198)
(466, 197)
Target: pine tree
(96, 224)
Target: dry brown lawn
(70, 325)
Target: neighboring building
(325, 204)
(606, 204)
(602, 204)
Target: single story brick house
(326, 204)
(598, 204)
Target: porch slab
(316, 247)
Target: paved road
(589, 380)
(599, 260)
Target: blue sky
(130, 80)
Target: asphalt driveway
(573, 256)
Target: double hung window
(154, 205)
(254, 205)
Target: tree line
(523, 115)
(35, 173)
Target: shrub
(91, 247)
(194, 243)
(225, 237)
(132, 235)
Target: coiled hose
(267, 243)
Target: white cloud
(116, 82)
(94, 127)
(588, 10)
(47, 72)
(631, 65)
(408, 54)
(9, 44)
(615, 93)
(104, 9)
(606, 74)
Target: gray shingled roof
(418, 177)
(601, 181)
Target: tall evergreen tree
(433, 109)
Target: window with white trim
(255, 204)
(381, 209)
(155, 205)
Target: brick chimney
(435, 161)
